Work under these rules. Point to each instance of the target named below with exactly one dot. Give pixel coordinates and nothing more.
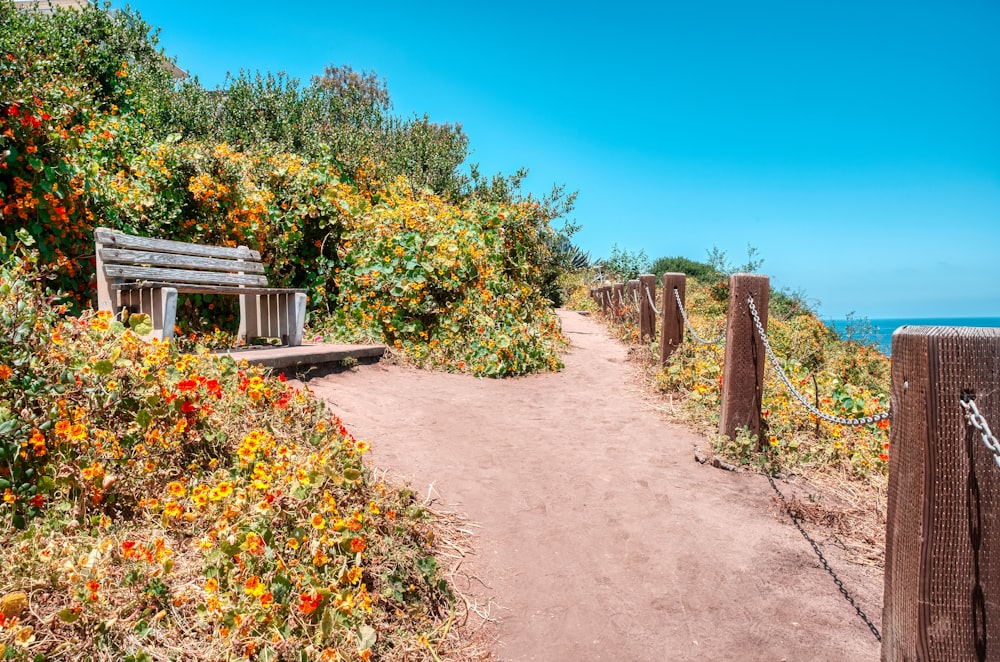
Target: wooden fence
(942, 557)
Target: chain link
(826, 565)
(865, 420)
(649, 298)
(976, 420)
(687, 323)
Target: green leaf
(24, 237)
(104, 367)
(141, 324)
(68, 616)
(352, 474)
(143, 418)
(327, 623)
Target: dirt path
(601, 537)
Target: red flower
(309, 602)
(187, 385)
(358, 545)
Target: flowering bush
(148, 493)
(452, 283)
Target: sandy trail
(601, 537)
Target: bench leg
(249, 318)
(273, 316)
(296, 318)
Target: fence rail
(942, 572)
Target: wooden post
(672, 334)
(631, 294)
(942, 555)
(647, 316)
(617, 297)
(605, 291)
(743, 368)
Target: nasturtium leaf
(327, 623)
(68, 616)
(104, 367)
(141, 324)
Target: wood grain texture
(178, 261)
(672, 334)
(189, 288)
(162, 274)
(942, 587)
(743, 368)
(115, 239)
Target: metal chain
(866, 420)
(687, 323)
(826, 565)
(649, 298)
(976, 420)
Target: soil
(597, 534)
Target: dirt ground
(597, 534)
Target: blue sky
(856, 145)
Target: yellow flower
(318, 522)
(254, 587)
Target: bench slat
(110, 237)
(181, 275)
(188, 288)
(123, 256)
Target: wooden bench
(146, 275)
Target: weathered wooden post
(647, 315)
(617, 297)
(942, 555)
(743, 369)
(632, 298)
(605, 291)
(672, 323)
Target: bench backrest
(124, 257)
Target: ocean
(879, 331)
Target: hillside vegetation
(158, 504)
(372, 213)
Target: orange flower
(309, 602)
(358, 545)
(254, 544)
(62, 428)
(254, 587)
(5, 371)
(78, 432)
(318, 522)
